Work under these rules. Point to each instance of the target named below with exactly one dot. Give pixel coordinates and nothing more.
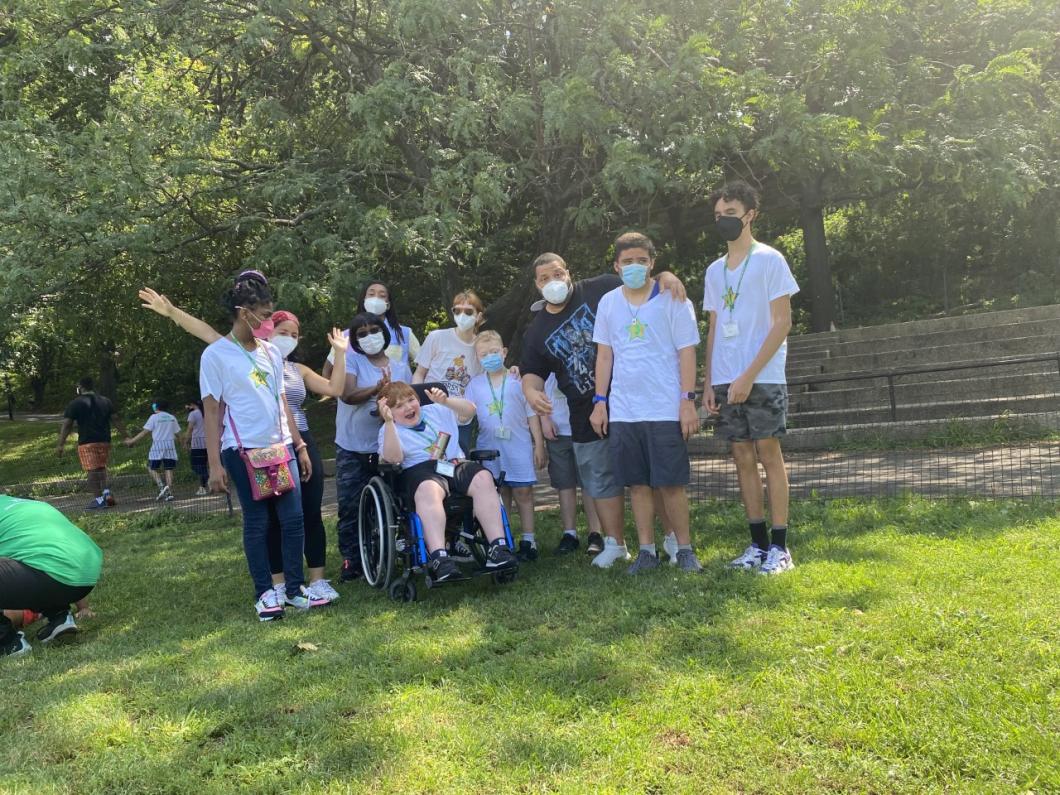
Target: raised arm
(333, 384)
(157, 302)
(391, 452)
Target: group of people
(604, 396)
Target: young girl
(448, 355)
(195, 444)
(246, 374)
(296, 379)
(368, 370)
(411, 437)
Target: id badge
(445, 468)
(503, 434)
(730, 329)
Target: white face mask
(284, 343)
(464, 322)
(556, 291)
(372, 344)
(375, 305)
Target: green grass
(914, 649)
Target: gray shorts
(763, 415)
(649, 453)
(596, 469)
(562, 465)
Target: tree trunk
(811, 219)
(108, 374)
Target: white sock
(648, 548)
(570, 533)
(528, 537)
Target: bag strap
(232, 422)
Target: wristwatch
(688, 396)
(599, 398)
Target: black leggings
(312, 496)
(23, 587)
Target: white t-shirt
(415, 444)
(560, 407)
(767, 278)
(250, 383)
(164, 429)
(356, 429)
(449, 359)
(197, 426)
(517, 452)
(645, 378)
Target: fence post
(894, 402)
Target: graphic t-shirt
(560, 409)
(250, 383)
(562, 343)
(92, 414)
(417, 442)
(37, 535)
(164, 428)
(449, 359)
(506, 407)
(197, 426)
(743, 299)
(645, 339)
(356, 428)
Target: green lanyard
(257, 375)
(730, 296)
(435, 431)
(499, 403)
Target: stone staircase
(912, 380)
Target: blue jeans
(256, 526)
(352, 472)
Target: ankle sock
(570, 533)
(780, 536)
(683, 546)
(759, 534)
(648, 548)
(528, 537)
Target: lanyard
(499, 403)
(257, 374)
(730, 296)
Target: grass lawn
(915, 648)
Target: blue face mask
(154, 407)
(634, 276)
(491, 363)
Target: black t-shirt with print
(92, 414)
(562, 343)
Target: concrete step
(913, 327)
(887, 434)
(935, 339)
(880, 412)
(855, 395)
(964, 351)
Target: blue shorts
(518, 484)
(155, 464)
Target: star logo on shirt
(259, 377)
(495, 407)
(729, 299)
(637, 329)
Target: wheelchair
(393, 550)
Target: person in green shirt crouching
(46, 563)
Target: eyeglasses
(367, 331)
(462, 311)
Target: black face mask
(729, 227)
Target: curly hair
(736, 191)
(248, 291)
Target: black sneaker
(595, 544)
(351, 570)
(442, 569)
(58, 627)
(569, 543)
(16, 646)
(500, 558)
(527, 550)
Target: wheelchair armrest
(392, 469)
(483, 455)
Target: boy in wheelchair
(423, 441)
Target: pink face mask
(264, 331)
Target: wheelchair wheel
(377, 530)
(402, 591)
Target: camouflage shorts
(762, 416)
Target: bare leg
(487, 507)
(429, 497)
(592, 518)
(568, 508)
(156, 477)
(643, 513)
(743, 453)
(769, 453)
(675, 501)
(169, 478)
(524, 498)
(660, 512)
(611, 513)
(97, 479)
(316, 573)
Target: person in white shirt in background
(162, 457)
(403, 347)
(195, 443)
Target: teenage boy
(748, 295)
(162, 456)
(93, 414)
(646, 350)
(507, 424)
(559, 340)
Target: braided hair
(250, 289)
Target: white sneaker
(269, 606)
(322, 590)
(752, 558)
(202, 492)
(612, 551)
(162, 493)
(670, 547)
(777, 560)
